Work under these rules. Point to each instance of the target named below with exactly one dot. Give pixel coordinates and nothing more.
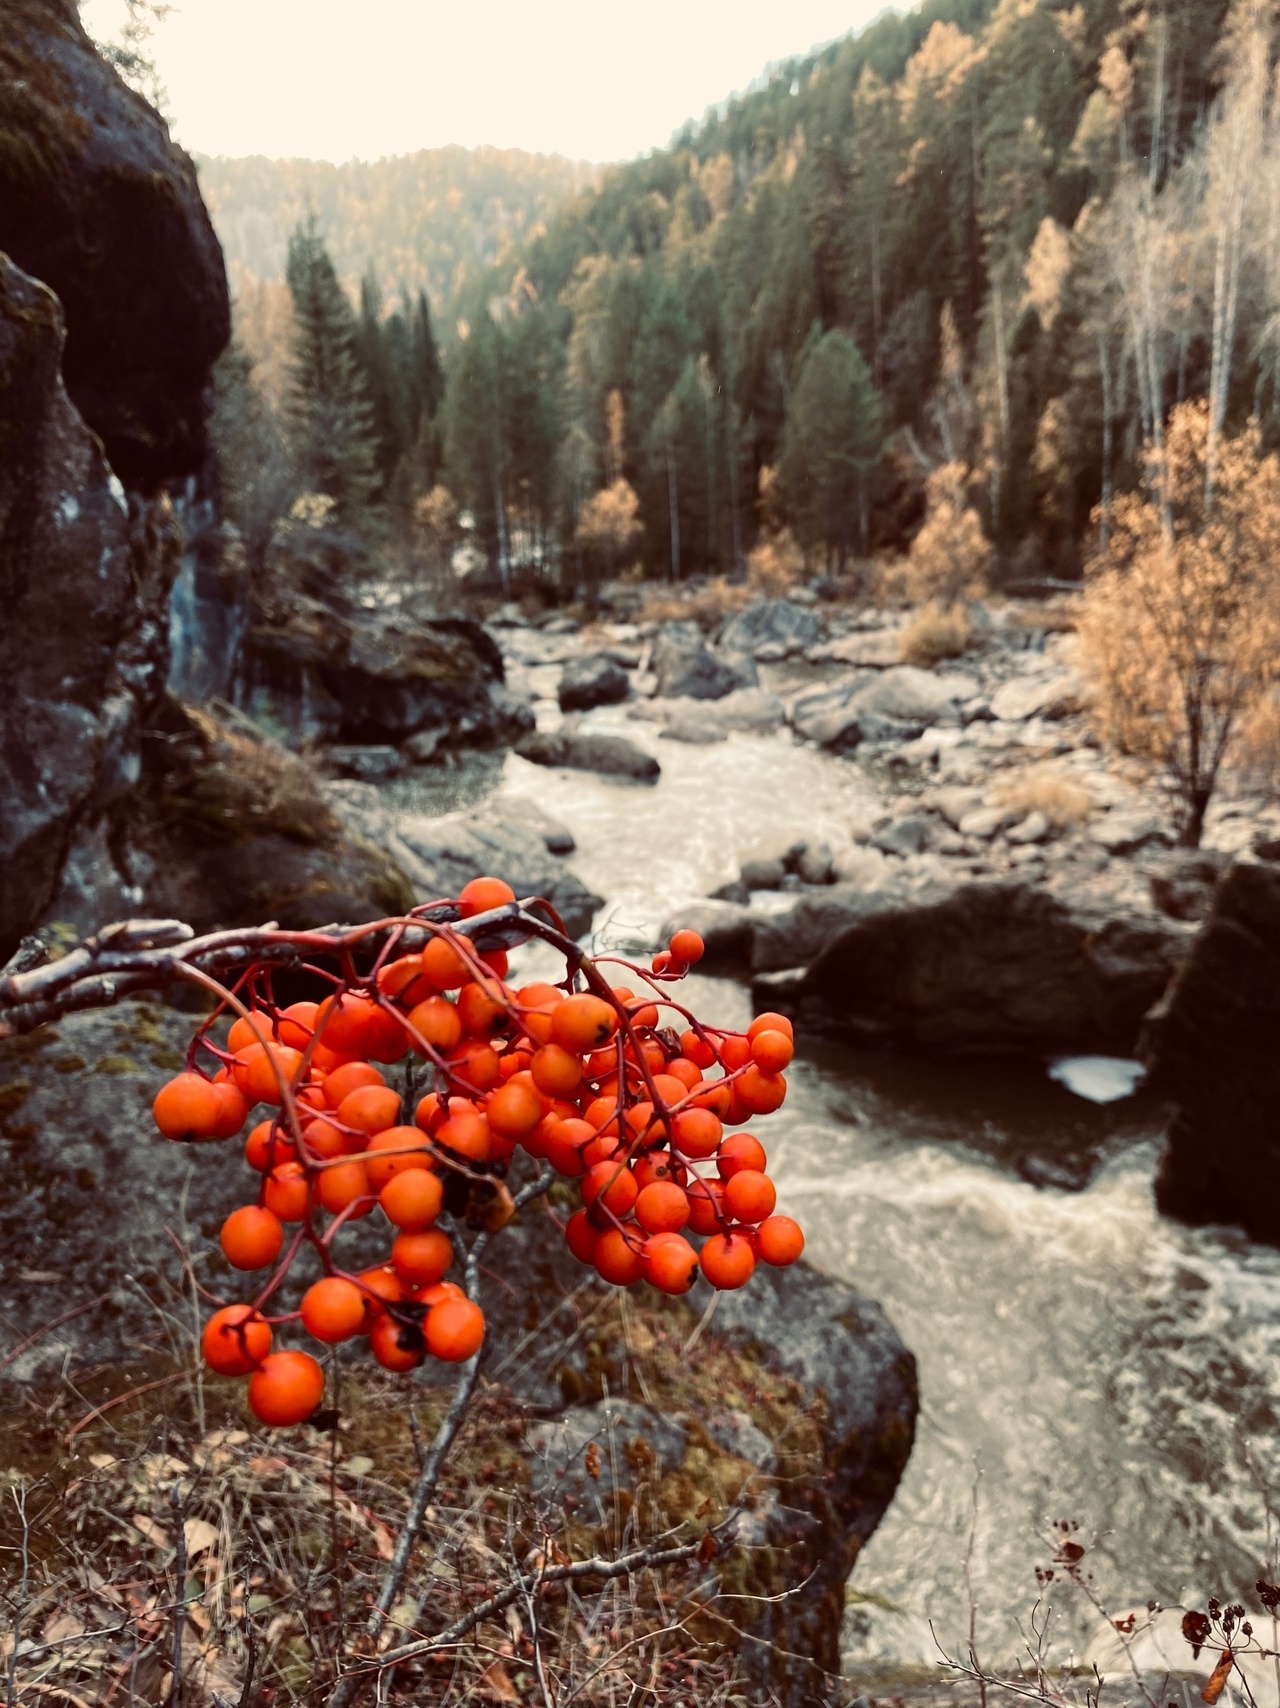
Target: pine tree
(833, 436)
(386, 380)
(327, 403)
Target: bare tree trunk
(1104, 364)
(877, 360)
(1157, 121)
(1002, 392)
(731, 446)
(673, 503)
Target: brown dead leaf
(150, 1529)
(495, 1683)
(1217, 1682)
(199, 1534)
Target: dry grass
(936, 632)
(286, 1537)
(1062, 800)
(226, 778)
(707, 606)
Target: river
(1093, 1361)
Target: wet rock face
(994, 966)
(96, 201)
(84, 577)
(319, 662)
(1214, 1046)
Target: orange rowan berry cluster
(590, 1081)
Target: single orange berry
(769, 1022)
(617, 1258)
(706, 1206)
(483, 894)
(421, 1259)
(443, 965)
(466, 1133)
(772, 1051)
(333, 1309)
(396, 1345)
(760, 1093)
(662, 1208)
(259, 1070)
(556, 1071)
(669, 1262)
(251, 1237)
(342, 1186)
(286, 1388)
(728, 1261)
(582, 1023)
(739, 1151)
(581, 1236)
(348, 1078)
(438, 1023)
(298, 1024)
(342, 1023)
(370, 1108)
(687, 946)
(779, 1240)
(454, 1330)
(697, 1133)
(188, 1107)
(235, 1340)
(268, 1144)
(285, 1191)
(698, 1051)
(413, 1199)
(611, 1186)
(396, 975)
(233, 1108)
(749, 1195)
(244, 1033)
(387, 1040)
(393, 1151)
(514, 1109)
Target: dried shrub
(936, 632)
(1062, 800)
(776, 565)
(950, 558)
(227, 778)
(708, 606)
(1180, 627)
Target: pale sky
(336, 79)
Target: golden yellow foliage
(775, 564)
(1180, 626)
(936, 632)
(609, 524)
(950, 556)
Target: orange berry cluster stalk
(624, 1092)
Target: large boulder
(511, 840)
(84, 579)
(994, 966)
(589, 750)
(324, 661)
(98, 202)
(896, 704)
(836, 1356)
(595, 679)
(685, 666)
(225, 828)
(1214, 1047)
(779, 626)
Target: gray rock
(762, 874)
(685, 666)
(1035, 827)
(1211, 1046)
(440, 855)
(754, 710)
(1055, 696)
(863, 868)
(897, 704)
(817, 865)
(693, 731)
(779, 625)
(634, 1445)
(985, 822)
(1125, 832)
(369, 764)
(557, 838)
(734, 891)
(589, 750)
(798, 936)
(995, 966)
(953, 803)
(826, 713)
(907, 835)
(84, 631)
(99, 202)
(737, 1434)
(593, 680)
(911, 696)
(423, 747)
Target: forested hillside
(966, 260)
(429, 222)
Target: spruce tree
(833, 435)
(386, 380)
(330, 415)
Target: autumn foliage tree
(1181, 621)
